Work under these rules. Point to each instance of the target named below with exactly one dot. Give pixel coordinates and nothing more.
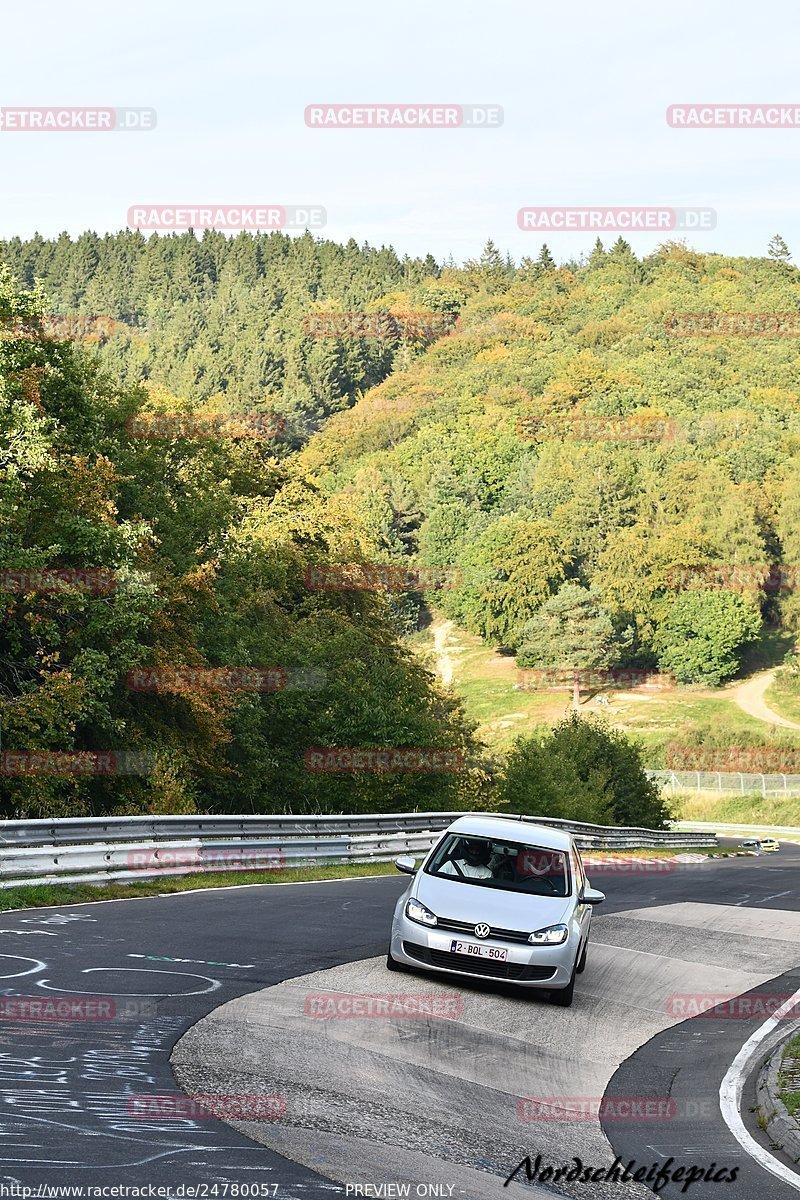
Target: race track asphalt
(77, 1096)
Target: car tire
(393, 965)
(581, 967)
(563, 996)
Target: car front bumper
(528, 966)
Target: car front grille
(519, 972)
(468, 927)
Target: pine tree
(545, 259)
(778, 250)
(598, 256)
(572, 632)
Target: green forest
(583, 478)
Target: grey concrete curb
(783, 1130)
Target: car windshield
(508, 866)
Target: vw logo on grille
(482, 931)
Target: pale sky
(584, 88)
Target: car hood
(507, 910)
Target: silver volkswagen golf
(499, 899)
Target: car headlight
(554, 935)
(419, 913)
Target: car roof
(481, 825)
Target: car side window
(577, 866)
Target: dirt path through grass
(441, 631)
(750, 697)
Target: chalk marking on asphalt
(730, 1093)
(774, 896)
(215, 983)
(30, 932)
(203, 962)
(38, 965)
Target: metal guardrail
(76, 850)
(728, 781)
(73, 830)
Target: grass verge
(39, 895)
(738, 810)
(790, 1096)
(782, 698)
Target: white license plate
(476, 950)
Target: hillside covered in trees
(154, 602)
(570, 444)
(209, 315)
(568, 456)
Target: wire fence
(727, 781)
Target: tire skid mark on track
(378, 1087)
(259, 924)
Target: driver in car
(472, 863)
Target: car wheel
(563, 996)
(581, 967)
(393, 965)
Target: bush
(582, 771)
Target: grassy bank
(37, 895)
(788, 1077)
(737, 810)
(486, 680)
(782, 697)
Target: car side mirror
(407, 864)
(590, 895)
